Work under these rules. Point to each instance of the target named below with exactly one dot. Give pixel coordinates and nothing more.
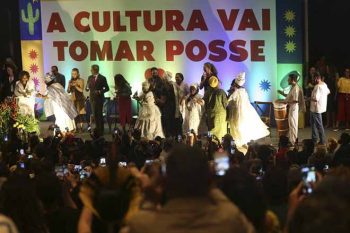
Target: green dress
(215, 105)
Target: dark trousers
(317, 127)
(97, 111)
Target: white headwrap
(240, 80)
(168, 75)
(195, 85)
(146, 85)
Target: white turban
(146, 85)
(240, 80)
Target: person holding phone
(76, 88)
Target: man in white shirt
(295, 100)
(318, 105)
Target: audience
(133, 184)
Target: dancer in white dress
(59, 103)
(245, 123)
(192, 110)
(25, 94)
(149, 119)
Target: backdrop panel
(129, 37)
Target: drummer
(295, 101)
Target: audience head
(344, 139)
(19, 201)
(275, 185)
(187, 172)
(332, 145)
(242, 189)
(283, 142)
(49, 190)
(308, 145)
(321, 214)
(265, 154)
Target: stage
(273, 140)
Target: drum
(281, 118)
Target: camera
(21, 152)
(309, 178)
(149, 161)
(122, 164)
(77, 168)
(22, 165)
(102, 162)
(83, 174)
(222, 164)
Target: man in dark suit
(59, 78)
(97, 86)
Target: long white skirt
(62, 119)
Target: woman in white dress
(149, 119)
(25, 94)
(192, 110)
(245, 123)
(59, 103)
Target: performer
(25, 93)
(123, 93)
(180, 91)
(192, 110)
(76, 88)
(245, 123)
(215, 107)
(318, 105)
(59, 103)
(149, 120)
(296, 103)
(164, 96)
(97, 86)
(209, 70)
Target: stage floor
(303, 134)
